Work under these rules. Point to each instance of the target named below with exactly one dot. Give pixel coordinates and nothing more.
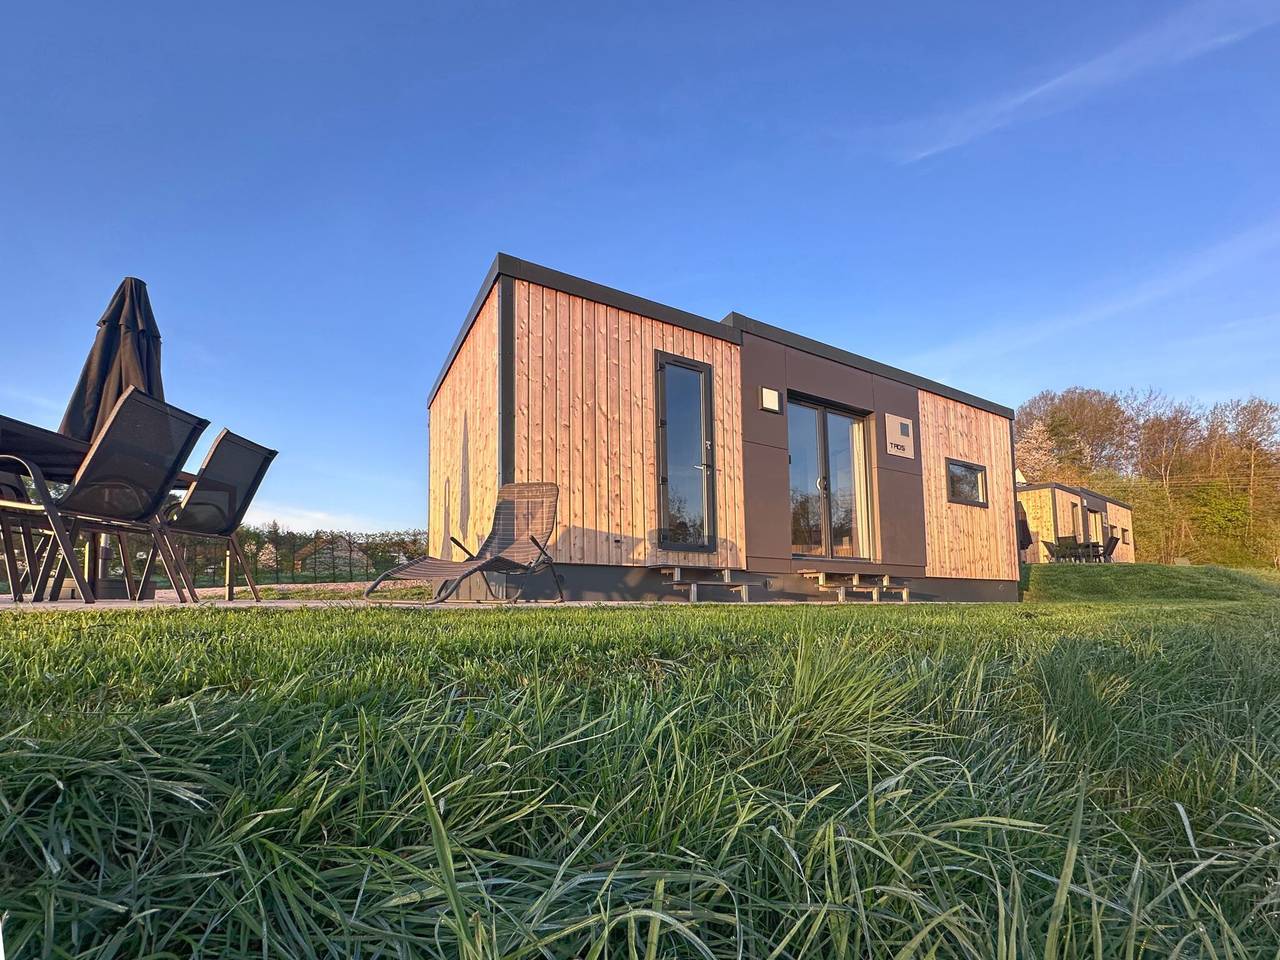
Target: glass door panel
(830, 509)
(686, 457)
(844, 491)
(804, 443)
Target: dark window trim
(982, 470)
(662, 359)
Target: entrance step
(874, 585)
(691, 578)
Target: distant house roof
(1078, 491)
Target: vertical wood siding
(1071, 522)
(584, 418)
(1122, 519)
(1039, 507)
(963, 540)
(463, 468)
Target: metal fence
(276, 556)
(317, 556)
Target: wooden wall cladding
(1122, 519)
(1071, 514)
(584, 418)
(964, 540)
(463, 471)
(1039, 507)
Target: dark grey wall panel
(764, 364)
(768, 501)
(901, 517)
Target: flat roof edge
(1054, 485)
(827, 351)
(730, 329)
(505, 265)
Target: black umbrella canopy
(126, 353)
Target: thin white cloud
(1014, 336)
(30, 399)
(302, 519)
(1192, 31)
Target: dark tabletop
(58, 457)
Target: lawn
(1055, 779)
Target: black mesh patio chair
(1109, 549)
(119, 488)
(18, 531)
(1055, 556)
(523, 520)
(215, 504)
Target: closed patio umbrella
(126, 353)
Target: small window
(966, 483)
(1124, 534)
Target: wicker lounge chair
(523, 520)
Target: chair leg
(147, 569)
(161, 545)
(67, 543)
(31, 554)
(123, 543)
(555, 578)
(181, 563)
(454, 584)
(244, 568)
(10, 559)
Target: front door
(830, 514)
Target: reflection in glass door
(830, 510)
(806, 479)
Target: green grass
(1047, 780)
(1145, 581)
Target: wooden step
(691, 578)
(873, 584)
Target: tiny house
(731, 447)
(1057, 513)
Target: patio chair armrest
(36, 475)
(457, 543)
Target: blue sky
(945, 187)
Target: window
(830, 510)
(686, 489)
(966, 483)
(1124, 534)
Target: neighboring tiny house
(1057, 512)
(732, 446)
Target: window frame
(1124, 535)
(862, 451)
(662, 359)
(985, 502)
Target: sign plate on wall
(899, 437)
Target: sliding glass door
(830, 508)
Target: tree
(1034, 453)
